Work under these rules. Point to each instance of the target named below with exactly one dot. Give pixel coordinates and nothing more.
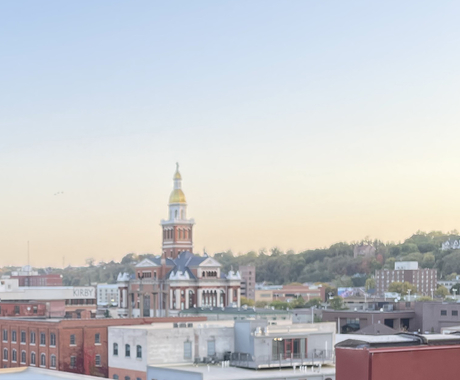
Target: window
(42, 360)
(115, 377)
(115, 349)
(73, 361)
(98, 360)
(187, 350)
(127, 378)
(52, 339)
(443, 312)
(211, 347)
(53, 361)
(72, 340)
(16, 309)
(35, 309)
(97, 338)
(13, 336)
(5, 335)
(5, 354)
(32, 358)
(23, 336)
(127, 350)
(42, 339)
(14, 355)
(139, 352)
(32, 337)
(23, 357)
(455, 313)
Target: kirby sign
(83, 292)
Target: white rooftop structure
(188, 372)
(406, 265)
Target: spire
(177, 195)
(177, 175)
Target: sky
(296, 124)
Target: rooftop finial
(177, 166)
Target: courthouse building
(177, 279)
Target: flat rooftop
(234, 373)
(31, 373)
(233, 310)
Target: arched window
(127, 378)
(42, 360)
(32, 358)
(53, 361)
(127, 350)
(115, 377)
(5, 354)
(139, 352)
(182, 214)
(175, 214)
(23, 357)
(14, 355)
(115, 349)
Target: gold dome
(177, 196)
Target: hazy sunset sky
(296, 124)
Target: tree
(441, 291)
(424, 299)
(261, 304)
(247, 301)
(336, 303)
(279, 305)
(298, 303)
(402, 288)
(370, 284)
(428, 260)
(314, 302)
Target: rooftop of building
(400, 339)
(233, 310)
(31, 373)
(235, 373)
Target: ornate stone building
(177, 279)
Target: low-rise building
(28, 277)
(350, 320)
(60, 300)
(237, 313)
(70, 345)
(252, 344)
(107, 295)
(432, 317)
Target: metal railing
(313, 357)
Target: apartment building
(407, 271)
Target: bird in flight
(58, 193)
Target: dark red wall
(401, 363)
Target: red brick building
(23, 309)
(78, 346)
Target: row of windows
(128, 350)
(182, 234)
(126, 377)
(33, 356)
(187, 349)
(32, 337)
(454, 313)
(97, 338)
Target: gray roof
(233, 310)
(376, 329)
